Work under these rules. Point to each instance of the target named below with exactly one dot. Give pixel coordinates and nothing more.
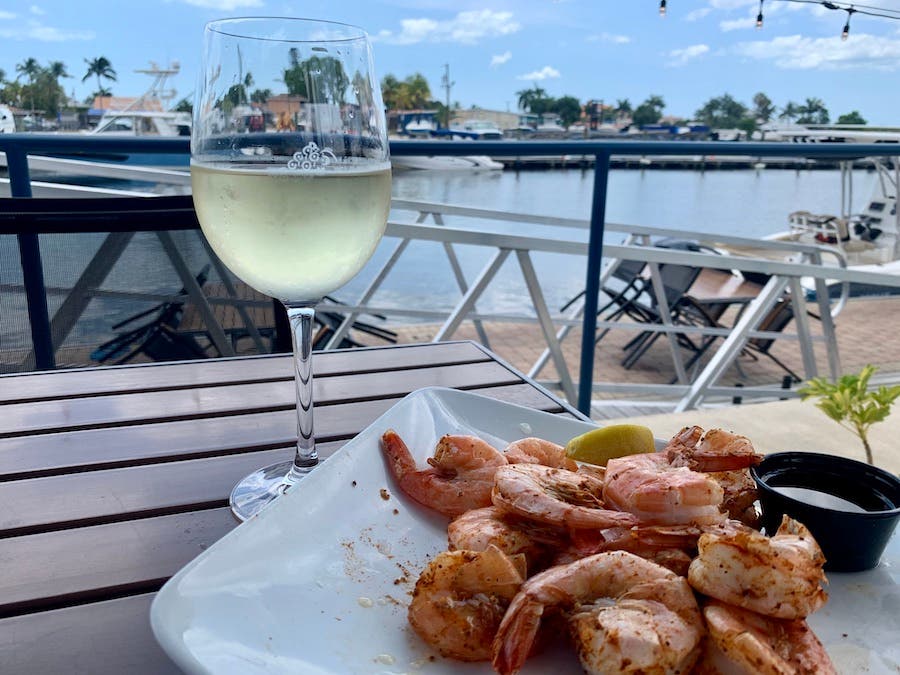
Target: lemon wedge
(600, 445)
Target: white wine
(293, 235)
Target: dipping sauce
(824, 500)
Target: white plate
(319, 582)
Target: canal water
(747, 203)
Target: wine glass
(291, 180)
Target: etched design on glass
(312, 157)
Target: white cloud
(35, 30)
(611, 38)
(224, 5)
(34, 9)
(799, 52)
(679, 57)
(7, 15)
(697, 14)
(738, 24)
(545, 73)
(465, 28)
(500, 59)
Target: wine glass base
(260, 488)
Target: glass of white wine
(291, 180)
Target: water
(745, 203)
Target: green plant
(851, 403)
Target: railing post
(592, 282)
(32, 267)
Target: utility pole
(446, 84)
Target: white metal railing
(555, 327)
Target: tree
(851, 118)
(237, 93)
(813, 111)
(100, 68)
(649, 112)
(722, 112)
(30, 68)
(260, 95)
(56, 70)
(418, 91)
(318, 79)
(569, 110)
(763, 108)
(623, 108)
(184, 105)
(790, 111)
(528, 98)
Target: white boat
(148, 113)
(423, 124)
(477, 130)
(7, 121)
(440, 163)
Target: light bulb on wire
(846, 32)
(662, 7)
(759, 17)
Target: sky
(591, 49)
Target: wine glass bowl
(291, 180)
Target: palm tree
(30, 68)
(813, 111)
(529, 97)
(101, 68)
(623, 108)
(790, 112)
(56, 70)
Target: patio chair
(775, 321)
(330, 321)
(676, 280)
(156, 339)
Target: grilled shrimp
(478, 529)
(764, 645)
(780, 576)
(555, 496)
(459, 478)
(460, 599)
(538, 451)
(669, 489)
(658, 493)
(625, 613)
(713, 450)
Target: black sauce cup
(851, 541)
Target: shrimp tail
(516, 635)
(400, 459)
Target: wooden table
(114, 478)
(714, 286)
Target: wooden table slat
(28, 456)
(153, 376)
(104, 638)
(54, 569)
(117, 409)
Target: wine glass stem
(305, 459)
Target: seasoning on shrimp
(779, 576)
(567, 499)
(626, 614)
(460, 599)
(459, 478)
(761, 644)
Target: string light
(846, 32)
(856, 8)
